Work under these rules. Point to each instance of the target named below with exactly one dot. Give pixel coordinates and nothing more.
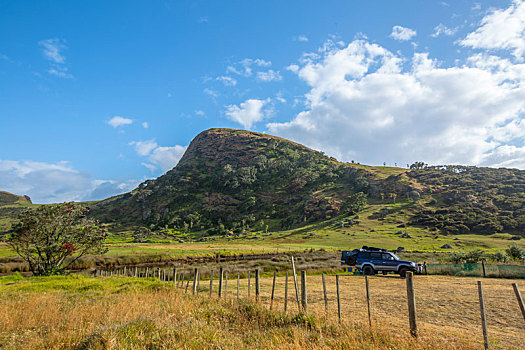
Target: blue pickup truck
(371, 260)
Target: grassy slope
(127, 313)
(370, 231)
(328, 235)
(10, 206)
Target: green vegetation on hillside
(11, 206)
(236, 180)
(472, 200)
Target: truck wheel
(403, 272)
(368, 270)
(351, 260)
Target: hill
(234, 181)
(10, 206)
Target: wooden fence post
(411, 304)
(136, 271)
(147, 271)
(483, 317)
(257, 285)
(194, 285)
(198, 281)
(225, 283)
(286, 292)
(324, 293)
(273, 289)
(338, 297)
(483, 268)
(520, 300)
(188, 282)
(304, 298)
(238, 278)
(368, 302)
(220, 281)
(211, 281)
(174, 276)
(125, 271)
(296, 286)
(249, 284)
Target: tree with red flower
(52, 237)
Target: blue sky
(96, 97)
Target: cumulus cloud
(145, 125)
(143, 148)
(442, 29)
(402, 34)
(118, 121)
(163, 158)
(368, 104)
(268, 76)
(52, 49)
(166, 158)
(58, 182)
(247, 113)
(502, 29)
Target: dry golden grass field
(78, 312)
(446, 306)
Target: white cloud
(164, 158)
(200, 113)
(145, 125)
(247, 113)
(117, 121)
(143, 148)
(268, 76)
(443, 29)
(502, 29)
(52, 50)
(211, 93)
(59, 182)
(60, 72)
(301, 38)
(402, 33)
(226, 80)
(365, 104)
(245, 67)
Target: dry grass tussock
(123, 313)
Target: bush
(515, 252)
(52, 237)
(500, 257)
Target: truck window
(388, 257)
(364, 255)
(375, 255)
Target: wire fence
(447, 306)
(477, 270)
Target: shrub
(515, 252)
(53, 237)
